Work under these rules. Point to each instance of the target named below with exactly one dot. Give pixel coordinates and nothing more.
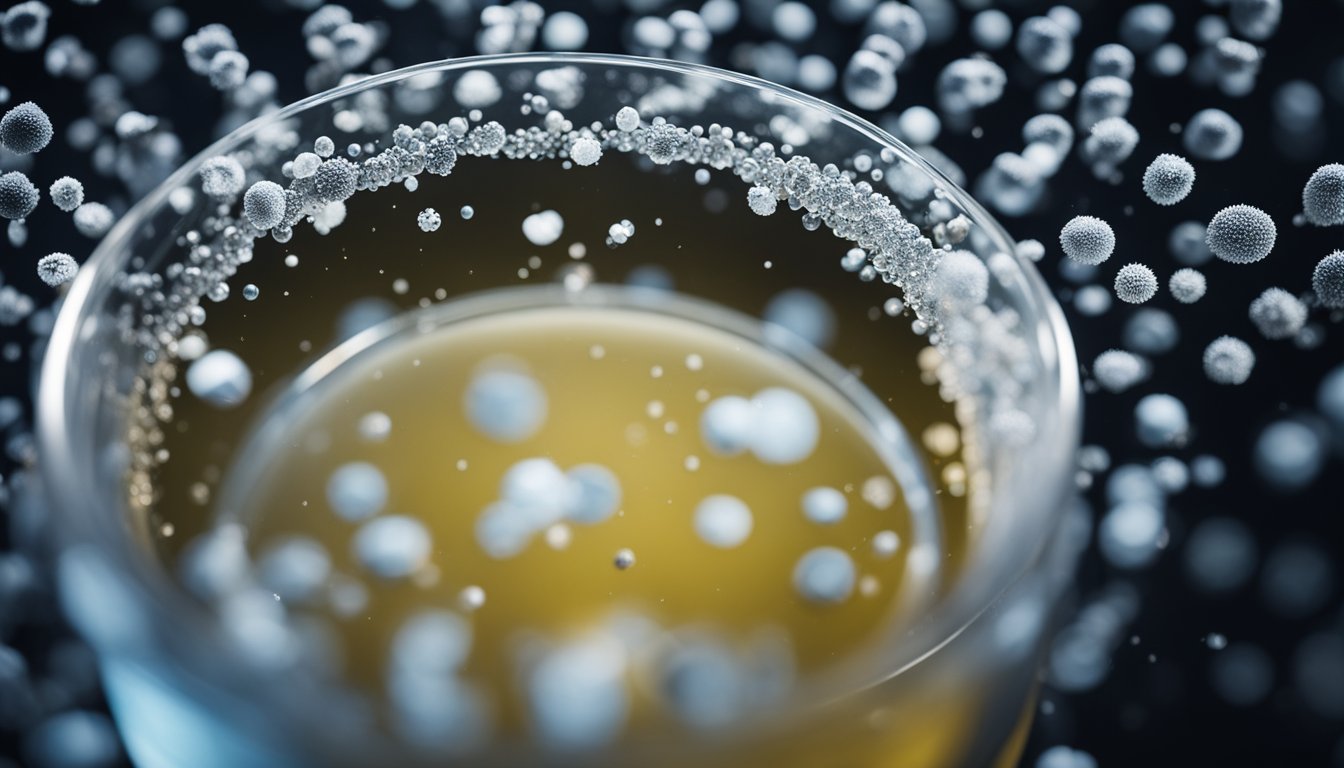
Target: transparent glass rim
(989, 575)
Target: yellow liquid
(626, 389)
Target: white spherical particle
(1278, 314)
(1212, 134)
(392, 547)
(220, 378)
(627, 119)
(596, 493)
(1168, 179)
(508, 406)
(1187, 285)
(869, 80)
(1135, 284)
(1087, 240)
(222, 177)
(1228, 360)
(585, 151)
(1327, 280)
(264, 204)
(762, 201)
(56, 268)
(1323, 196)
(93, 219)
(824, 505)
(727, 425)
(723, 521)
(1241, 234)
(25, 129)
(429, 220)
(543, 228)
(357, 491)
(1117, 370)
(785, 426)
(824, 575)
(1161, 421)
(539, 490)
(66, 193)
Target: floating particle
(803, 313)
(1092, 300)
(335, 180)
(1188, 243)
(433, 642)
(1168, 179)
(991, 29)
(961, 280)
(374, 427)
(1113, 60)
(24, 26)
(294, 568)
(1256, 19)
(1289, 454)
(1111, 141)
(624, 559)
(324, 147)
(477, 89)
(392, 547)
(1103, 97)
(503, 530)
(56, 268)
(467, 212)
(220, 378)
(627, 119)
(486, 140)
(1168, 60)
(919, 126)
(879, 491)
(1323, 196)
(429, 220)
(25, 129)
(543, 228)
(727, 425)
(505, 405)
(228, 70)
(1220, 555)
(596, 493)
(1065, 757)
(885, 544)
(1135, 284)
(1161, 421)
(620, 232)
(1330, 396)
(251, 292)
(722, 521)
(869, 80)
(1117, 370)
(1187, 285)
(1241, 234)
(305, 165)
(264, 205)
(704, 683)
(576, 694)
(357, 491)
(785, 427)
(824, 505)
(93, 219)
(816, 73)
(1277, 314)
(201, 48)
(1087, 240)
(893, 306)
(1171, 474)
(538, 490)
(824, 575)
(440, 156)
(1212, 134)
(762, 201)
(66, 193)
(1051, 130)
(1327, 280)
(968, 84)
(1045, 45)
(1129, 534)
(1228, 360)
(585, 151)
(222, 177)
(471, 598)
(564, 31)
(18, 196)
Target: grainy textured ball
(1135, 284)
(56, 268)
(25, 129)
(1049, 129)
(264, 204)
(1228, 360)
(1087, 240)
(1323, 196)
(221, 177)
(1045, 45)
(1278, 314)
(18, 196)
(440, 156)
(1111, 141)
(1187, 285)
(66, 193)
(1117, 370)
(1327, 280)
(1111, 59)
(1168, 179)
(585, 151)
(201, 48)
(335, 180)
(429, 220)
(1212, 134)
(1241, 234)
(93, 219)
(228, 70)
